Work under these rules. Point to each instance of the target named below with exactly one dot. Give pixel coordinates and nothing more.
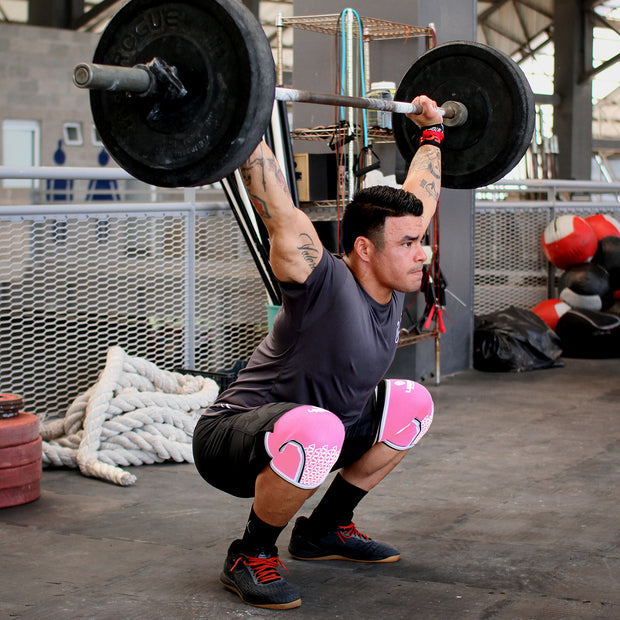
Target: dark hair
(365, 215)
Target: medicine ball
(608, 256)
(585, 286)
(589, 334)
(568, 240)
(550, 311)
(604, 225)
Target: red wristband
(431, 135)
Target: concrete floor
(508, 508)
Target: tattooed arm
(424, 175)
(295, 246)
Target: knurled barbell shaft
(139, 80)
(386, 105)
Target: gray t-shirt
(330, 345)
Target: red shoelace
(265, 569)
(349, 531)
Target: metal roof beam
(496, 5)
(596, 70)
(504, 33)
(536, 7)
(98, 13)
(603, 22)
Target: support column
(253, 5)
(573, 115)
(54, 13)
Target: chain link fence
(169, 278)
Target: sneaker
(344, 543)
(256, 579)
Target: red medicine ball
(604, 225)
(568, 240)
(550, 311)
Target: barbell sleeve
(136, 80)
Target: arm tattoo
(262, 167)
(308, 250)
(428, 165)
(260, 206)
(430, 188)
(256, 166)
(279, 176)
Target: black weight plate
(223, 59)
(500, 106)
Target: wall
(36, 68)
(314, 53)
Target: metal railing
(168, 278)
(166, 274)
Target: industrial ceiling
(521, 28)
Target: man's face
(399, 260)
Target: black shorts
(229, 448)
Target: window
(20, 149)
(96, 137)
(72, 134)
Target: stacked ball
(588, 252)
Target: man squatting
(313, 398)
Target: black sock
(337, 505)
(258, 534)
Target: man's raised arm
(295, 245)
(424, 175)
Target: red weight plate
(18, 429)
(19, 476)
(11, 399)
(14, 456)
(20, 495)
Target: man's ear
(364, 248)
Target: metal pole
(190, 280)
(279, 28)
(308, 96)
(351, 114)
(366, 47)
(437, 357)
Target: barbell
(157, 78)
(181, 93)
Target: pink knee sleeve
(304, 445)
(407, 414)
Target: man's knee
(407, 413)
(304, 445)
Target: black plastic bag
(514, 340)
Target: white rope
(135, 414)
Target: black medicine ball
(585, 286)
(608, 256)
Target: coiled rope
(135, 414)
